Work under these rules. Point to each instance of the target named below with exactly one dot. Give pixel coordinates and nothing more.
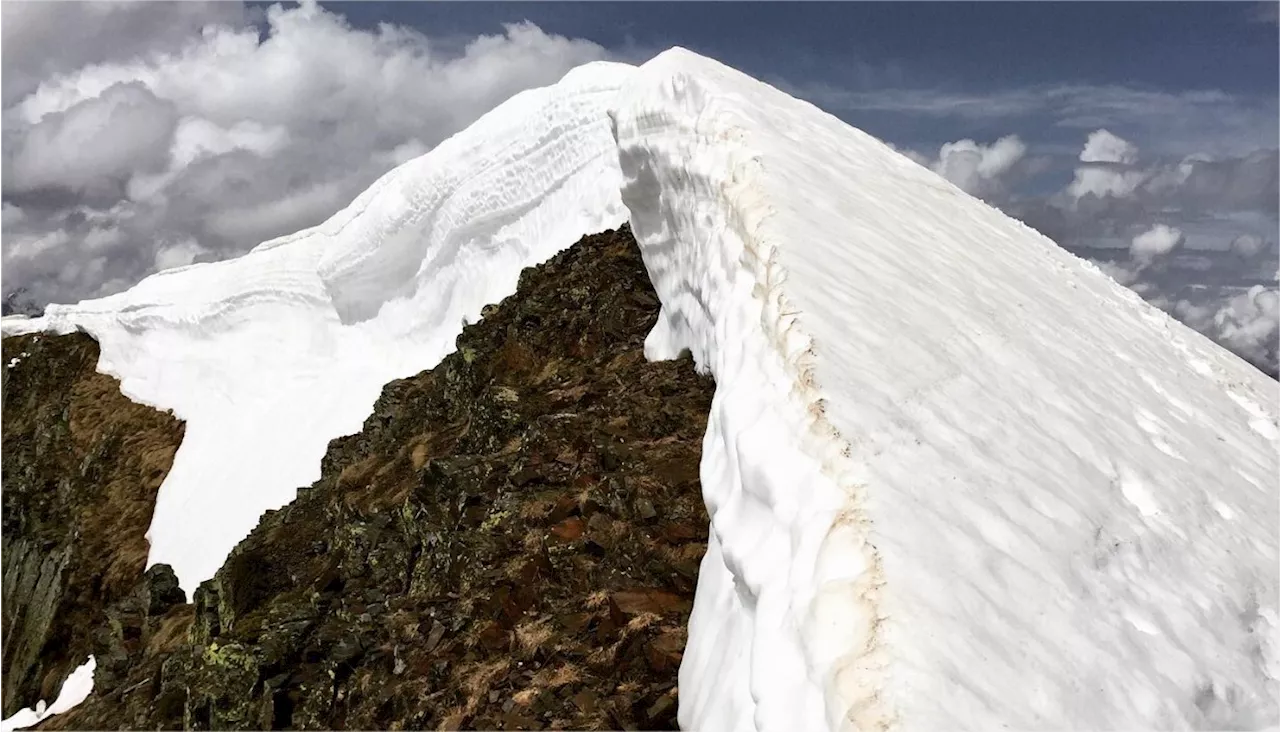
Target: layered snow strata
(957, 477)
(270, 356)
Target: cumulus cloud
(1107, 167)
(1113, 192)
(1165, 227)
(42, 39)
(127, 153)
(1247, 324)
(96, 142)
(1105, 147)
(976, 168)
(1149, 247)
(1155, 242)
(1248, 245)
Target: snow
(956, 476)
(74, 690)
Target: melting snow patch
(74, 690)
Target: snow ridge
(1058, 507)
(1061, 543)
(784, 634)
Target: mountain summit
(955, 476)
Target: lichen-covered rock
(82, 465)
(511, 542)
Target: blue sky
(980, 45)
(959, 47)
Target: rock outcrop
(82, 465)
(512, 542)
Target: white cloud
(43, 39)
(1107, 167)
(94, 142)
(178, 254)
(976, 168)
(1212, 199)
(1125, 275)
(1106, 147)
(1247, 324)
(1248, 245)
(214, 134)
(1155, 242)
(1145, 250)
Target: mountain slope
(269, 356)
(509, 543)
(955, 476)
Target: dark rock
(163, 591)
(663, 653)
(82, 465)
(568, 530)
(645, 509)
(650, 600)
(661, 708)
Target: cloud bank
(188, 132)
(1195, 236)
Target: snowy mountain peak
(957, 477)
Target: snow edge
(838, 622)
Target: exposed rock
(461, 560)
(82, 465)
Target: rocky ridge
(511, 542)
